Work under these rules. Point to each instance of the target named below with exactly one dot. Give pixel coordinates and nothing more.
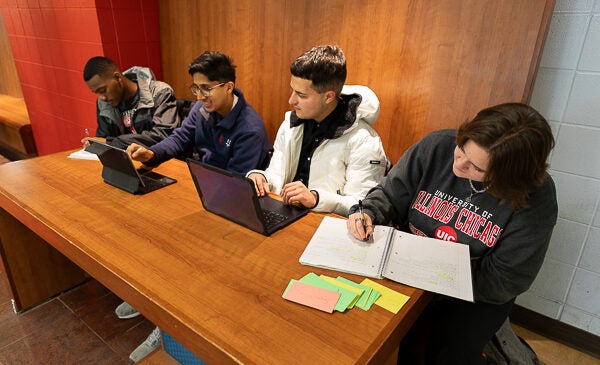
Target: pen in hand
(85, 140)
(362, 216)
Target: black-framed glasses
(203, 89)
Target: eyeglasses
(203, 89)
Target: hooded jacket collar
(344, 116)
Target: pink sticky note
(312, 296)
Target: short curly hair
(98, 65)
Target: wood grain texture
(211, 284)
(158, 357)
(16, 136)
(30, 265)
(9, 80)
(433, 64)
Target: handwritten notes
(423, 262)
(429, 264)
(332, 247)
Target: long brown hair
(518, 140)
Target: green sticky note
(375, 294)
(346, 296)
(358, 292)
(367, 298)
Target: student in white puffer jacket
(326, 155)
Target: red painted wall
(51, 41)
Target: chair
(184, 106)
(183, 109)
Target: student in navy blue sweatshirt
(225, 130)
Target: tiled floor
(77, 327)
(553, 353)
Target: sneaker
(125, 311)
(151, 344)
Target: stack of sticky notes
(328, 294)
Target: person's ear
(330, 96)
(117, 76)
(230, 86)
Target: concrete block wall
(567, 93)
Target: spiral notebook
(426, 263)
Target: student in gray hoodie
(132, 106)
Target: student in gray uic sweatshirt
(485, 185)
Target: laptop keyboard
(273, 218)
(152, 180)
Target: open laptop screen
(229, 196)
(234, 197)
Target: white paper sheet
(82, 154)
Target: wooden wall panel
(9, 80)
(433, 64)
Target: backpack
(506, 348)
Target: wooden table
(212, 285)
(16, 136)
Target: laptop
(234, 197)
(118, 170)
